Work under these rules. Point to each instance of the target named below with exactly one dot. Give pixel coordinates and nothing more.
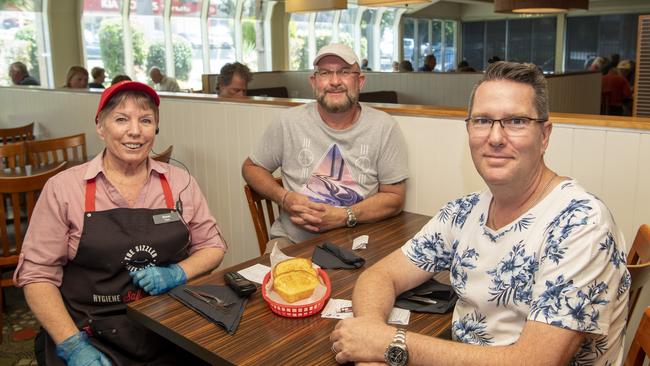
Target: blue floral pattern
(541, 267)
(571, 217)
(429, 252)
(471, 329)
(512, 278)
(460, 265)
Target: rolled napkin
(333, 256)
(430, 297)
(227, 317)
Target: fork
(208, 298)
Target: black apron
(96, 283)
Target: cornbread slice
(295, 285)
(294, 264)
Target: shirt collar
(96, 166)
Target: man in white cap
(342, 162)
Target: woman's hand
(158, 280)
(77, 351)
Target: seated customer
(120, 77)
(538, 263)
(342, 162)
(233, 80)
(99, 75)
(94, 243)
(618, 91)
(77, 78)
(20, 76)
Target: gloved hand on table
(76, 350)
(158, 280)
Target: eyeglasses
(513, 126)
(343, 73)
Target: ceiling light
(390, 2)
(539, 6)
(295, 6)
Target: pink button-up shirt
(56, 225)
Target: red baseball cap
(126, 85)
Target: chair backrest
(384, 96)
(638, 263)
(640, 346)
(257, 204)
(15, 134)
(22, 192)
(13, 155)
(57, 150)
(277, 92)
(165, 155)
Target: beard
(351, 100)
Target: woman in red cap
(109, 232)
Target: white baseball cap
(339, 50)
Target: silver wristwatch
(352, 219)
(396, 353)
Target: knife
(424, 300)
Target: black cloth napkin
(333, 256)
(442, 294)
(228, 318)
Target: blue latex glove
(158, 280)
(76, 350)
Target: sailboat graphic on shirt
(331, 181)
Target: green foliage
(248, 30)
(27, 35)
(297, 49)
(182, 57)
(110, 43)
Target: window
(408, 40)
(146, 22)
(387, 52)
(520, 40)
(187, 45)
(221, 36)
(591, 36)
(430, 36)
(346, 26)
(367, 42)
(252, 35)
(323, 28)
(23, 37)
(299, 42)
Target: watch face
(396, 356)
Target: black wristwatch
(352, 220)
(396, 353)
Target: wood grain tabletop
(264, 338)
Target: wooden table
(264, 338)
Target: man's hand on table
(361, 339)
(313, 216)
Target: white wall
(213, 138)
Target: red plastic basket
(298, 311)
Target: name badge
(166, 217)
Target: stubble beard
(351, 101)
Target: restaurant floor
(18, 331)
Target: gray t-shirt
(337, 167)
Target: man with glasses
(538, 263)
(342, 162)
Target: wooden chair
(13, 155)
(638, 263)
(256, 204)
(165, 155)
(15, 134)
(640, 346)
(54, 151)
(22, 191)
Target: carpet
(18, 331)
